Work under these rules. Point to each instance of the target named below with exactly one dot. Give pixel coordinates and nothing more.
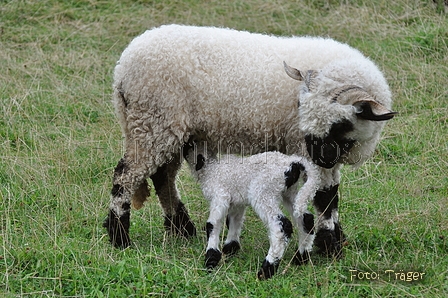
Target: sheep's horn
(366, 107)
(373, 110)
(348, 94)
(293, 73)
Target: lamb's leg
(304, 221)
(177, 219)
(306, 238)
(235, 223)
(126, 185)
(329, 237)
(280, 231)
(218, 211)
(297, 206)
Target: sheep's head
(341, 122)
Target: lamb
(264, 181)
(231, 89)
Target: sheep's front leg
(218, 211)
(235, 221)
(329, 237)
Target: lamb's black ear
(185, 148)
(293, 173)
(200, 162)
(372, 110)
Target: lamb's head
(195, 154)
(341, 121)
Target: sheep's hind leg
(126, 185)
(306, 238)
(304, 221)
(177, 219)
(280, 231)
(329, 238)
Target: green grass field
(59, 143)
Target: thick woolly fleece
(230, 88)
(265, 181)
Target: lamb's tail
(309, 188)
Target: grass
(59, 143)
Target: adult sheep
(230, 88)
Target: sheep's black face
(329, 96)
(326, 152)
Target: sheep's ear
(373, 110)
(293, 73)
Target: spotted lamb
(231, 89)
(264, 181)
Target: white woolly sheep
(230, 88)
(264, 181)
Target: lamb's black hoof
(301, 259)
(267, 270)
(330, 243)
(118, 229)
(231, 248)
(212, 258)
(180, 223)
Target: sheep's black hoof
(267, 270)
(180, 223)
(212, 258)
(118, 229)
(231, 248)
(326, 243)
(329, 243)
(340, 236)
(301, 259)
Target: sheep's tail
(120, 103)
